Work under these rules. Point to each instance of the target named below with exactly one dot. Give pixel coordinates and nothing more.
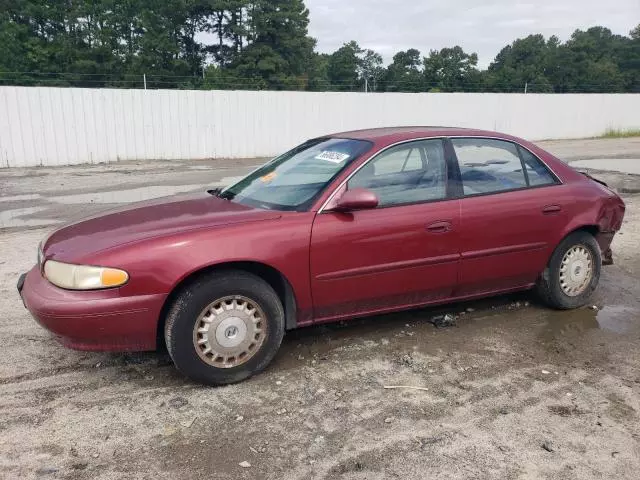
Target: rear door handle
(439, 227)
(551, 209)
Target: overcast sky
(484, 27)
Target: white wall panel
(62, 126)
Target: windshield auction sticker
(333, 157)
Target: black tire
(190, 303)
(549, 288)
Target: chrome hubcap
(229, 331)
(576, 270)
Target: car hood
(143, 220)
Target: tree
(526, 62)
(342, 68)
(589, 61)
(281, 50)
(404, 74)
(450, 69)
(351, 68)
(629, 62)
(370, 69)
(159, 48)
(265, 44)
(16, 36)
(216, 18)
(318, 72)
(192, 50)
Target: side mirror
(357, 199)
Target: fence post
(144, 78)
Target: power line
(246, 79)
(62, 79)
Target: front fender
(159, 265)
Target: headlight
(83, 277)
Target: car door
(404, 252)
(511, 213)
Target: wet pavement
(511, 390)
(49, 196)
(622, 165)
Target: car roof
(388, 135)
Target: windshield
(294, 180)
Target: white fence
(62, 126)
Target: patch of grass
(620, 133)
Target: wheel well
(592, 229)
(273, 277)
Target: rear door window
(488, 166)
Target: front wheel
(572, 273)
(224, 328)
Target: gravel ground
(513, 390)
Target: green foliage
(318, 72)
(629, 61)
(405, 74)
(15, 40)
(618, 133)
(370, 69)
(526, 61)
(352, 68)
(342, 68)
(451, 70)
(264, 44)
(594, 60)
(281, 50)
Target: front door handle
(439, 227)
(551, 209)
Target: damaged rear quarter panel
(590, 204)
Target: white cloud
(388, 26)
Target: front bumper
(604, 240)
(21, 282)
(99, 320)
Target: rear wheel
(572, 273)
(224, 328)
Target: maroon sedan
(345, 225)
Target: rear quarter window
(537, 172)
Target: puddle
(618, 319)
(126, 196)
(622, 165)
(138, 194)
(227, 181)
(16, 198)
(13, 218)
(411, 331)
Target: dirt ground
(514, 390)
